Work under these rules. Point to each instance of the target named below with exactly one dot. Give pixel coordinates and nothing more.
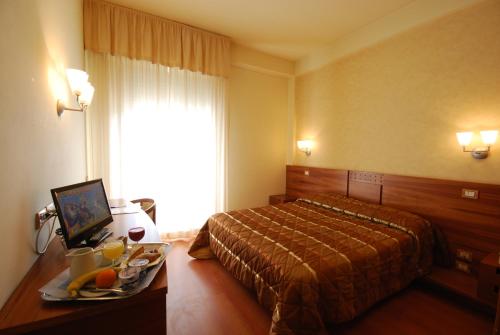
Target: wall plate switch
(462, 266)
(470, 194)
(465, 255)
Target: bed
(319, 260)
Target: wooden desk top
(26, 311)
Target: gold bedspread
(319, 260)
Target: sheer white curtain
(158, 132)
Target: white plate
(89, 294)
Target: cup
(82, 261)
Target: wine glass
(113, 250)
(136, 234)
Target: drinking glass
(113, 250)
(136, 234)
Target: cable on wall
(53, 223)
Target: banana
(76, 284)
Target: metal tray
(55, 290)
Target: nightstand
(489, 283)
(279, 199)
(489, 279)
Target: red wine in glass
(136, 234)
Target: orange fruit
(105, 278)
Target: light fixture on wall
(80, 86)
(305, 146)
(488, 137)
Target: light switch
(470, 194)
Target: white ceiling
(291, 29)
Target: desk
(26, 313)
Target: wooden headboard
(301, 180)
(469, 224)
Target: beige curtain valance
(126, 32)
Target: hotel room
(307, 167)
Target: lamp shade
(305, 145)
(464, 138)
(77, 80)
(87, 94)
(489, 136)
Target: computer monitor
(82, 209)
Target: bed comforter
(319, 260)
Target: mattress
(320, 260)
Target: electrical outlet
(470, 194)
(43, 215)
(462, 266)
(306, 172)
(465, 255)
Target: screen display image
(82, 207)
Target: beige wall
(258, 106)
(395, 107)
(413, 14)
(39, 150)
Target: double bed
(319, 260)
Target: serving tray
(55, 290)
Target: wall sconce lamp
(488, 137)
(80, 86)
(305, 146)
